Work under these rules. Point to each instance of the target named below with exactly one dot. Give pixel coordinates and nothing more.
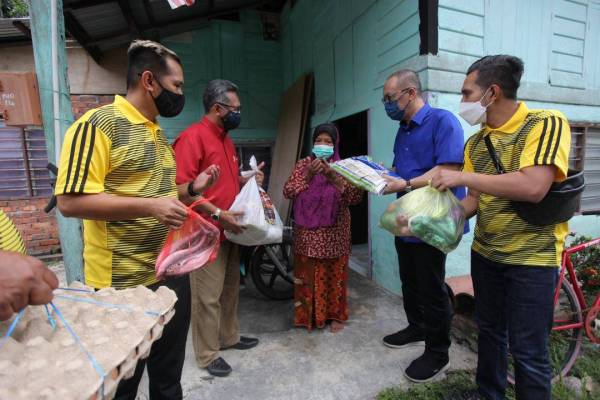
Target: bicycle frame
(567, 265)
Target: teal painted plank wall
(235, 51)
(352, 46)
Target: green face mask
(322, 151)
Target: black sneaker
(409, 336)
(427, 367)
(245, 343)
(219, 367)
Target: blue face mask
(322, 151)
(393, 111)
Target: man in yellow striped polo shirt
(117, 173)
(24, 280)
(513, 262)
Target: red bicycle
(572, 316)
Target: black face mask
(169, 104)
(231, 120)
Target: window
(262, 151)
(585, 155)
(23, 161)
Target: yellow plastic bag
(437, 218)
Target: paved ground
(294, 364)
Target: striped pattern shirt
(10, 237)
(529, 138)
(115, 150)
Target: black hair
(502, 70)
(328, 128)
(146, 55)
(216, 92)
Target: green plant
(14, 8)
(587, 266)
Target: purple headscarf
(319, 205)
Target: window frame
(27, 159)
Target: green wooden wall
(235, 51)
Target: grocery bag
(435, 217)
(190, 247)
(260, 218)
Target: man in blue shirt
(428, 139)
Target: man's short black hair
(146, 55)
(502, 70)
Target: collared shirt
(10, 237)
(432, 137)
(528, 138)
(114, 149)
(198, 147)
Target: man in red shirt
(215, 288)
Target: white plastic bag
(261, 220)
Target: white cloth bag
(258, 230)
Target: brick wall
(39, 230)
(84, 102)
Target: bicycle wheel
(564, 345)
(267, 278)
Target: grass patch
(460, 381)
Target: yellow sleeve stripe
(549, 141)
(86, 146)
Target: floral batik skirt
(320, 293)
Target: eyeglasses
(230, 108)
(388, 98)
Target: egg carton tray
(114, 328)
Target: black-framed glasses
(229, 107)
(387, 98)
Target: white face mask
(473, 112)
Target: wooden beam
(85, 4)
(152, 33)
(128, 14)
(428, 27)
(23, 28)
(82, 37)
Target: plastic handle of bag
(198, 202)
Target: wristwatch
(216, 215)
(408, 187)
(191, 190)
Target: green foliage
(14, 8)
(587, 267)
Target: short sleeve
(548, 143)
(467, 163)
(188, 157)
(448, 141)
(84, 160)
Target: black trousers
(165, 362)
(426, 300)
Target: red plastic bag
(190, 247)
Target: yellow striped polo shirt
(114, 149)
(530, 137)
(10, 237)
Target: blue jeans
(514, 307)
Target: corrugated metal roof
(8, 31)
(100, 25)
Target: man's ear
(496, 92)
(146, 80)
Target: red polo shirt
(197, 148)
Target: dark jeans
(426, 301)
(165, 362)
(514, 308)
